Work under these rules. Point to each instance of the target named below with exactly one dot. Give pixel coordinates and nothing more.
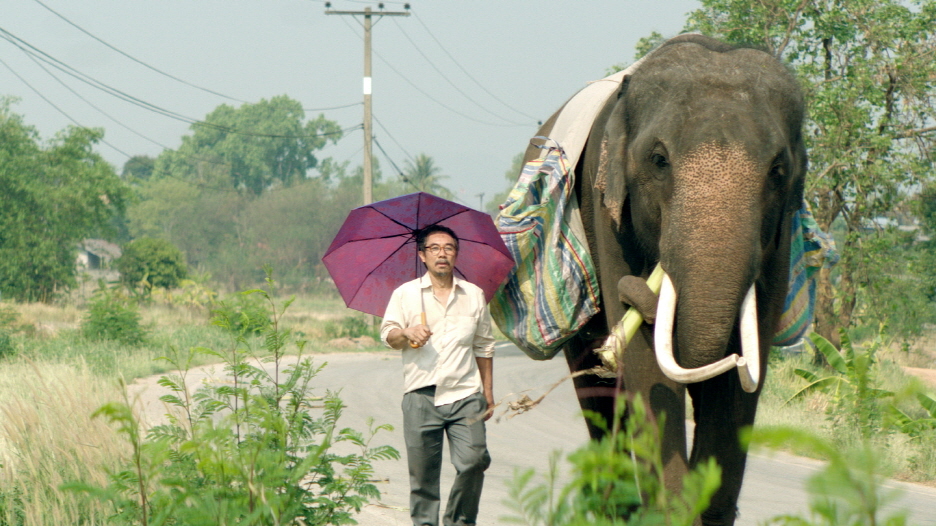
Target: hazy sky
(463, 83)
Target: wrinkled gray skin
(703, 170)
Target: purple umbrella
(375, 249)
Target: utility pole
(368, 119)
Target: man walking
(448, 379)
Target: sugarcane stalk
(625, 329)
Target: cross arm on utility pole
(368, 14)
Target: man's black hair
(433, 229)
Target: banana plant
(850, 383)
(916, 427)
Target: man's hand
(490, 403)
(417, 335)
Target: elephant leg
(641, 376)
(665, 398)
(594, 393)
(722, 409)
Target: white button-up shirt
(461, 331)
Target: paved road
(370, 387)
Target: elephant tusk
(663, 343)
(749, 364)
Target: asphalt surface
(370, 386)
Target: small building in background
(95, 260)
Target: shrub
(619, 476)
(849, 490)
(352, 327)
(248, 453)
(148, 262)
(113, 316)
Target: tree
(147, 263)
(255, 146)
(138, 168)
(425, 176)
(868, 68)
(54, 196)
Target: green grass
(912, 460)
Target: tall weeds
(46, 439)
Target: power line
(430, 97)
(60, 110)
(138, 61)
(128, 156)
(333, 107)
(392, 138)
(115, 148)
(104, 141)
(89, 103)
(405, 178)
(159, 71)
(395, 167)
(495, 97)
(454, 85)
(114, 92)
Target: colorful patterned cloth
(553, 289)
(810, 250)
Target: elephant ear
(610, 179)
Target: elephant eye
(778, 172)
(659, 160)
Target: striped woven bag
(553, 289)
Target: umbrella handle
(422, 318)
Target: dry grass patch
(47, 438)
(46, 320)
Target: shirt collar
(425, 281)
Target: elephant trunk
(711, 249)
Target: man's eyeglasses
(435, 249)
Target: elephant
(697, 163)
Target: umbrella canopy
(375, 249)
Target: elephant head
(702, 157)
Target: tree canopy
(54, 195)
(252, 147)
(425, 176)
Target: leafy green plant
(245, 313)
(149, 263)
(915, 427)
(850, 384)
(617, 477)
(8, 318)
(255, 452)
(113, 316)
(190, 293)
(849, 490)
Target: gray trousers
(423, 427)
